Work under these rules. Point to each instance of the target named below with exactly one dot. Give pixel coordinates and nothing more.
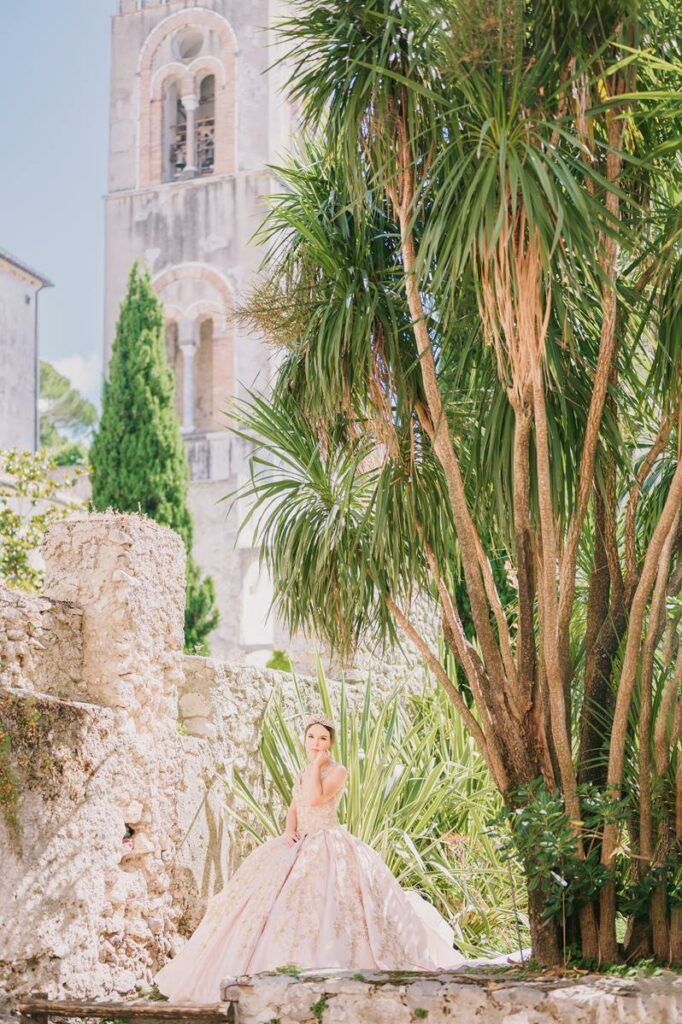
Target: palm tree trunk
(608, 346)
(550, 644)
(524, 555)
(660, 931)
(628, 679)
(505, 707)
(676, 913)
(596, 691)
(659, 919)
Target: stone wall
(351, 998)
(89, 708)
(115, 824)
(41, 645)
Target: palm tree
(474, 272)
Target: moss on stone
(317, 1009)
(31, 728)
(9, 790)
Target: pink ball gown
(328, 901)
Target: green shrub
(33, 495)
(138, 458)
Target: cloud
(84, 374)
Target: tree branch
(489, 752)
(547, 587)
(628, 678)
(644, 471)
(653, 635)
(525, 643)
(402, 197)
(662, 749)
(608, 345)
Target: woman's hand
(321, 758)
(291, 836)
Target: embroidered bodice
(312, 818)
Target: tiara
(319, 720)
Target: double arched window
(199, 342)
(187, 98)
(189, 130)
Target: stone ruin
(115, 822)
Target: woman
(316, 896)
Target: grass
(317, 1009)
(293, 969)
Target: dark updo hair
(330, 729)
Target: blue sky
(53, 174)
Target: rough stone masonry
(114, 816)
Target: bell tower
(194, 120)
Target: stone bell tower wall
(192, 224)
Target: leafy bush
(32, 496)
(541, 833)
(71, 454)
(280, 660)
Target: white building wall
(19, 385)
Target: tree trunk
(660, 931)
(628, 680)
(608, 947)
(597, 696)
(676, 912)
(544, 935)
(676, 936)
(638, 939)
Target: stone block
(196, 705)
(132, 618)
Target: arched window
(174, 357)
(205, 126)
(199, 342)
(174, 133)
(195, 49)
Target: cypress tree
(138, 457)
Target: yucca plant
(418, 792)
(474, 273)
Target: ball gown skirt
(328, 901)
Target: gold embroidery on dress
(312, 818)
(329, 900)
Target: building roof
(20, 265)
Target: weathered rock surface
(115, 823)
(366, 997)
